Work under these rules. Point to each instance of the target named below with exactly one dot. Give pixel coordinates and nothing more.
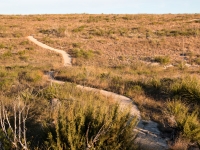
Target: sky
(99, 6)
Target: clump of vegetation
(184, 32)
(187, 89)
(187, 122)
(78, 120)
(92, 124)
(26, 42)
(79, 29)
(76, 45)
(7, 54)
(197, 60)
(58, 32)
(2, 46)
(48, 40)
(94, 19)
(81, 53)
(17, 35)
(162, 59)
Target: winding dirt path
(66, 57)
(149, 137)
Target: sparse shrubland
(112, 52)
(91, 123)
(77, 121)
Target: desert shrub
(40, 19)
(5, 83)
(97, 32)
(94, 19)
(58, 32)
(21, 53)
(116, 84)
(17, 35)
(24, 42)
(33, 76)
(47, 40)
(162, 59)
(2, 46)
(187, 89)
(184, 32)
(7, 78)
(61, 32)
(197, 60)
(23, 58)
(123, 31)
(6, 54)
(133, 89)
(92, 124)
(79, 29)
(51, 92)
(81, 53)
(30, 48)
(104, 76)
(127, 17)
(187, 122)
(76, 45)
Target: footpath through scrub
(149, 136)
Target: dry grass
(107, 50)
(180, 144)
(113, 36)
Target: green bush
(6, 54)
(92, 124)
(48, 40)
(80, 53)
(24, 42)
(79, 29)
(5, 83)
(17, 35)
(76, 45)
(58, 32)
(187, 122)
(2, 46)
(162, 59)
(197, 61)
(184, 32)
(33, 76)
(187, 89)
(61, 32)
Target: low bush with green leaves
(58, 32)
(162, 59)
(187, 122)
(92, 124)
(81, 53)
(79, 29)
(78, 120)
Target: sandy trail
(149, 136)
(66, 57)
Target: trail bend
(149, 137)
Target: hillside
(153, 59)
